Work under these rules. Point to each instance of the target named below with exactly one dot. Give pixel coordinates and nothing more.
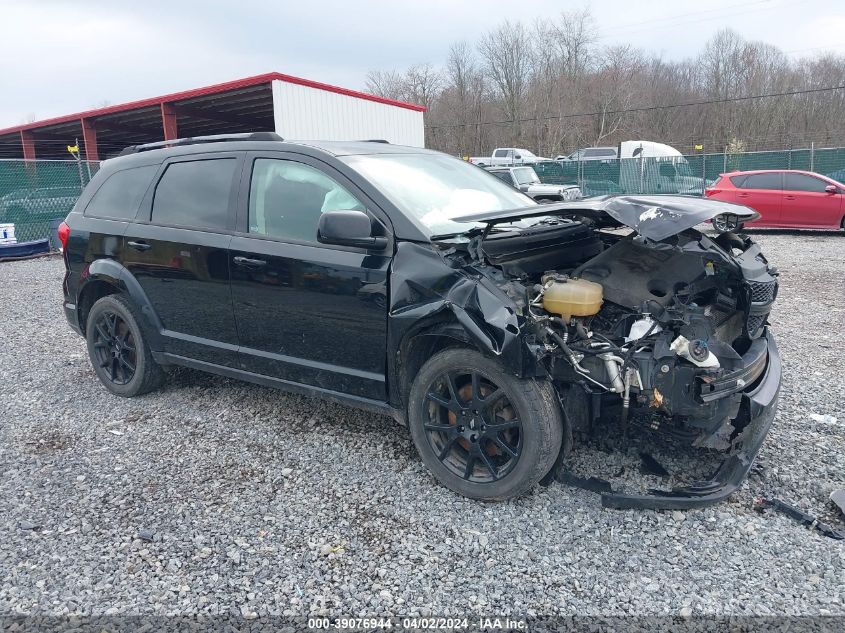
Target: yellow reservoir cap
(573, 297)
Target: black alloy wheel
(115, 348)
(480, 430)
(471, 426)
(119, 352)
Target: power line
(553, 117)
(675, 20)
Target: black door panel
(312, 314)
(185, 275)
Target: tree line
(551, 87)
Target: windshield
(684, 169)
(434, 188)
(525, 176)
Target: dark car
(411, 283)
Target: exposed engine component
(656, 325)
(546, 244)
(695, 352)
(571, 297)
(641, 327)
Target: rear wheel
(481, 431)
(117, 349)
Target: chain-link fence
(36, 193)
(682, 174)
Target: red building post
(89, 138)
(28, 142)
(168, 121)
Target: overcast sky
(63, 57)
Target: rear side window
(501, 153)
(600, 152)
(800, 182)
(119, 196)
(761, 181)
(195, 194)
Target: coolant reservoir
(573, 297)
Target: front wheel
(481, 431)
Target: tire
(116, 344)
(513, 431)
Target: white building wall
(304, 113)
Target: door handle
(790, 197)
(139, 246)
(246, 262)
(742, 195)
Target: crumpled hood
(654, 217)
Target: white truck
(660, 169)
(506, 157)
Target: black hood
(653, 217)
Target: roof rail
(196, 140)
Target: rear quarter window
(120, 195)
(195, 194)
(737, 181)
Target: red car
(783, 198)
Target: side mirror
(517, 156)
(348, 228)
(831, 189)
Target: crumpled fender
(425, 292)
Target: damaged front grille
(755, 324)
(763, 291)
(761, 295)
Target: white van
(660, 169)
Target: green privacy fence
(35, 194)
(687, 175)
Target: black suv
(411, 283)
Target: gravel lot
(258, 502)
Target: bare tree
(552, 87)
(506, 52)
(386, 83)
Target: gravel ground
(213, 496)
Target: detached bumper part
(758, 406)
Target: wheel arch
(107, 276)
(423, 343)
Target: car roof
(332, 148)
(349, 148)
(771, 171)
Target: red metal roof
(208, 90)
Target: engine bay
(657, 333)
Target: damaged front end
(662, 327)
